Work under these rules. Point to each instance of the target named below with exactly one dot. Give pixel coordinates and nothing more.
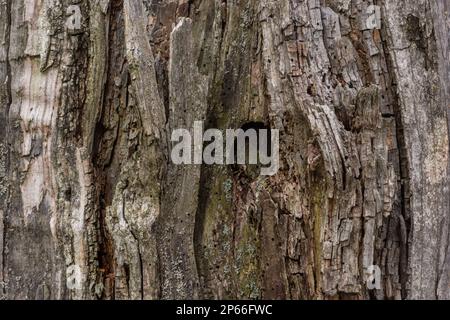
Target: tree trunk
(92, 207)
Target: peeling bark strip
(91, 207)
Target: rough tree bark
(87, 187)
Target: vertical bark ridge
(90, 197)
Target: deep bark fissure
(403, 171)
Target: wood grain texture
(87, 188)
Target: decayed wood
(91, 206)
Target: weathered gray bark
(86, 181)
